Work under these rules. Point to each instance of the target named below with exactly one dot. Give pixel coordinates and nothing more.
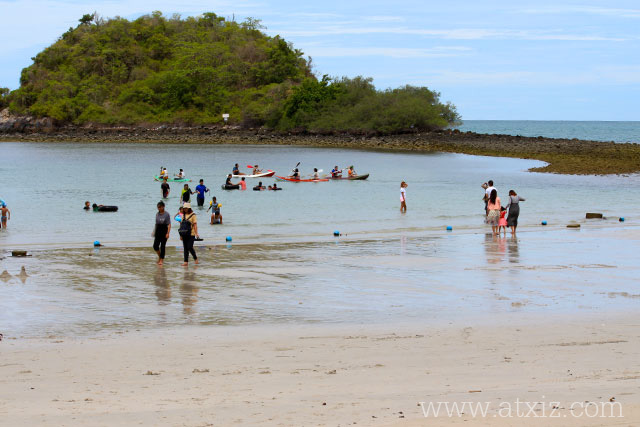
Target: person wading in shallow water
(165, 188)
(188, 233)
(493, 208)
(403, 197)
(161, 232)
(513, 206)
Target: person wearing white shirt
(488, 188)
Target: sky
(501, 60)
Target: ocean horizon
(616, 131)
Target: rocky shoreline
(567, 156)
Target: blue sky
(545, 60)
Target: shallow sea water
(284, 265)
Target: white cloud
(603, 75)
(383, 18)
(591, 10)
(393, 52)
(451, 34)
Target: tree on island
(156, 69)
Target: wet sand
(402, 277)
(326, 375)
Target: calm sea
(284, 264)
(595, 131)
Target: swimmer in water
(5, 215)
(259, 187)
(216, 216)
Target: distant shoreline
(564, 156)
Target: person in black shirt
(161, 232)
(165, 188)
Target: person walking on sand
(403, 197)
(165, 187)
(5, 215)
(513, 205)
(161, 232)
(188, 233)
(493, 206)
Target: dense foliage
(172, 70)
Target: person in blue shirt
(201, 190)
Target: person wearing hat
(189, 238)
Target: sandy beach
(328, 375)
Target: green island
(169, 79)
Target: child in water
(5, 215)
(403, 197)
(216, 216)
(502, 223)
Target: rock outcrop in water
(24, 124)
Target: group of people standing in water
(498, 216)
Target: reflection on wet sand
(512, 246)
(163, 290)
(189, 292)
(356, 280)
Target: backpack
(185, 227)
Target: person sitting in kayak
(259, 187)
(352, 172)
(336, 173)
(315, 174)
(163, 171)
(274, 187)
(256, 171)
(236, 170)
(295, 174)
(181, 174)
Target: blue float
(229, 238)
(544, 223)
(449, 228)
(621, 219)
(336, 233)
